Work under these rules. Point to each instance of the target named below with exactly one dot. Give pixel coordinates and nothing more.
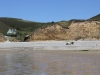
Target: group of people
(70, 43)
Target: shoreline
(53, 45)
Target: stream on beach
(25, 61)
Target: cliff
(2, 39)
(77, 30)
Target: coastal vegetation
(25, 27)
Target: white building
(11, 32)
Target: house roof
(11, 31)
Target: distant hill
(3, 28)
(19, 23)
(25, 27)
(22, 25)
(95, 18)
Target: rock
(2, 39)
(77, 30)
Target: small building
(11, 32)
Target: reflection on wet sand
(49, 63)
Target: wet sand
(25, 61)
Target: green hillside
(95, 18)
(23, 27)
(3, 28)
(20, 24)
(26, 27)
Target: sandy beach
(54, 45)
(50, 58)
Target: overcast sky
(49, 10)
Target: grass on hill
(3, 28)
(23, 27)
(95, 18)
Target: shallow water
(49, 63)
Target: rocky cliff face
(79, 30)
(2, 39)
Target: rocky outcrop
(77, 30)
(85, 30)
(2, 39)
